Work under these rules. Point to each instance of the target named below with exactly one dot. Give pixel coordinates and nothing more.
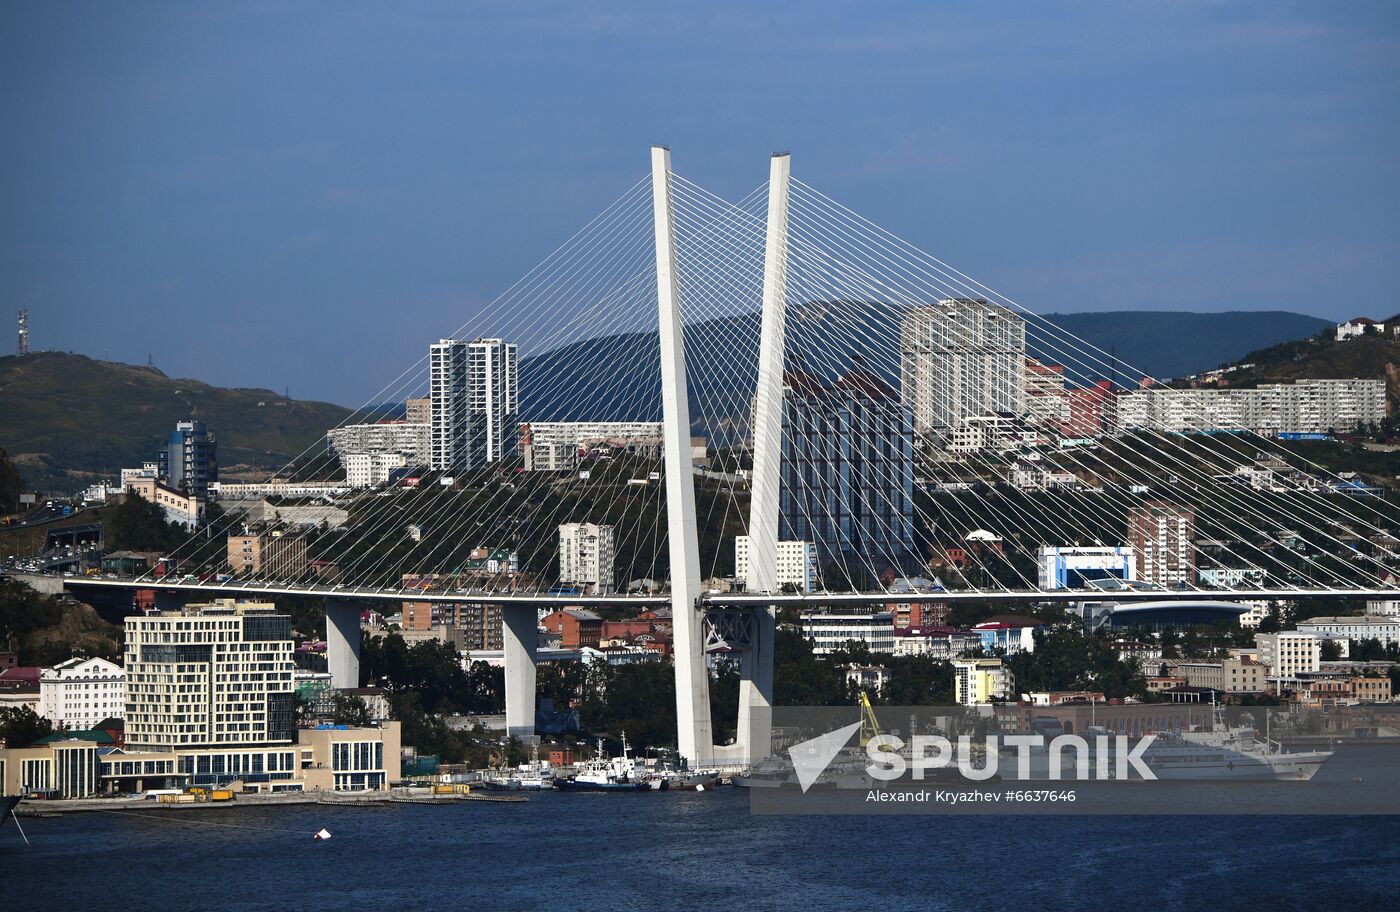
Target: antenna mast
(22, 348)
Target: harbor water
(690, 850)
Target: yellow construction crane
(869, 725)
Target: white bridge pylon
(750, 628)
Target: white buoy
(699, 788)
(323, 833)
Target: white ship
(1232, 753)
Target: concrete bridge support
(343, 642)
(519, 637)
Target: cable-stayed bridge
(854, 393)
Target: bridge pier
(519, 637)
(343, 642)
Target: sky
(305, 195)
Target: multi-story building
(475, 401)
(1071, 567)
(1385, 630)
(411, 439)
(961, 357)
(556, 445)
(1235, 675)
(190, 460)
(217, 679)
(829, 631)
(982, 681)
(586, 556)
(797, 563)
(225, 491)
(368, 470)
(418, 410)
(179, 507)
(1302, 407)
(79, 693)
(1162, 539)
(1289, 652)
(847, 471)
(1045, 402)
(275, 554)
(1093, 411)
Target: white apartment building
(1302, 407)
(1383, 608)
(368, 470)
(1046, 404)
(982, 681)
(475, 401)
(586, 556)
(224, 491)
(79, 693)
(797, 563)
(212, 676)
(1289, 652)
(410, 438)
(960, 358)
(828, 631)
(1368, 627)
(550, 446)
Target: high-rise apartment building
(847, 471)
(1045, 401)
(1162, 537)
(586, 556)
(797, 563)
(190, 460)
(982, 681)
(959, 358)
(475, 402)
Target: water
(600, 852)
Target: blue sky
(269, 194)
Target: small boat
(604, 774)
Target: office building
(829, 631)
(1289, 653)
(273, 555)
(1162, 538)
(797, 563)
(982, 681)
(959, 358)
(1385, 630)
(190, 460)
(586, 556)
(475, 402)
(79, 693)
(847, 472)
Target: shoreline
(60, 807)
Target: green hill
(67, 420)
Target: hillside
(67, 419)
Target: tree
(349, 710)
(20, 726)
(136, 524)
(1331, 650)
